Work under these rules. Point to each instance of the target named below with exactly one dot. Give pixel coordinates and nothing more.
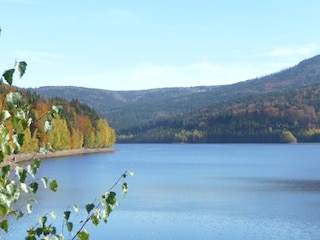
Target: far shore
(21, 157)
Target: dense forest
(290, 116)
(78, 125)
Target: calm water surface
(205, 191)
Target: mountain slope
(261, 118)
(125, 109)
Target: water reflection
(272, 184)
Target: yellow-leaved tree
(104, 134)
(76, 139)
(59, 135)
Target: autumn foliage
(78, 125)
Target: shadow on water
(273, 184)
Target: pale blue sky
(143, 44)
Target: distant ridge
(124, 109)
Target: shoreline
(23, 157)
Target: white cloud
(194, 74)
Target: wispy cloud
(36, 56)
(194, 74)
(303, 50)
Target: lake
(201, 191)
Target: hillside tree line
(78, 125)
(270, 118)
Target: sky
(143, 44)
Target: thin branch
(99, 205)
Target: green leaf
(23, 112)
(30, 238)
(53, 215)
(5, 172)
(124, 189)
(95, 220)
(43, 150)
(34, 187)
(42, 221)
(24, 187)
(13, 192)
(20, 68)
(34, 167)
(3, 210)
(8, 76)
(20, 215)
(50, 230)
(13, 99)
(66, 215)
(69, 226)
(83, 235)
(45, 180)
(56, 110)
(32, 200)
(104, 216)
(58, 237)
(111, 198)
(89, 207)
(10, 189)
(25, 123)
(5, 115)
(21, 173)
(39, 231)
(4, 225)
(1, 156)
(29, 208)
(15, 121)
(75, 208)
(5, 136)
(47, 125)
(9, 149)
(111, 201)
(131, 173)
(18, 140)
(54, 185)
(31, 234)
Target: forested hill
(78, 125)
(126, 109)
(290, 116)
(123, 109)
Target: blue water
(182, 191)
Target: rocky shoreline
(21, 157)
